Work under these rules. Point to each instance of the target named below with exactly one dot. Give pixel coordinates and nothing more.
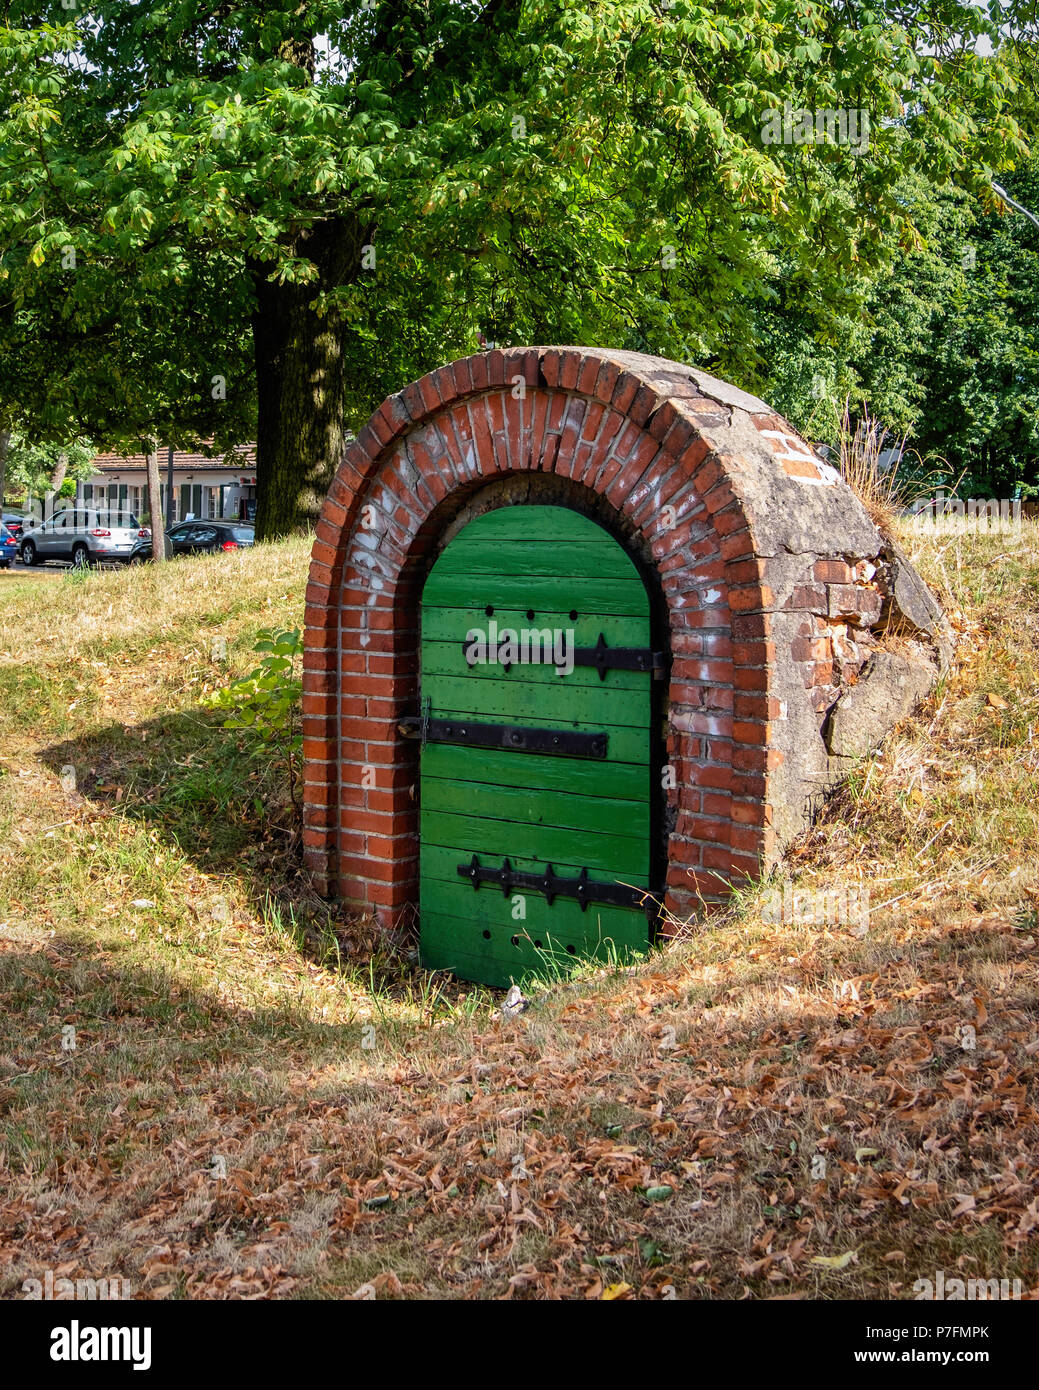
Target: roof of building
(244, 457)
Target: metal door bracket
(552, 886)
(517, 737)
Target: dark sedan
(14, 521)
(198, 538)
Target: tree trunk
(58, 476)
(155, 506)
(5, 439)
(300, 376)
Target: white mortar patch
(789, 449)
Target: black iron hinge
(602, 656)
(518, 737)
(552, 886)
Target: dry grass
(378, 1126)
(884, 492)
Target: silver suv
(83, 535)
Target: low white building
(204, 487)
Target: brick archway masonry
(782, 602)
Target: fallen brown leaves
(763, 1111)
(692, 1156)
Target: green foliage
(267, 700)
(945, 348)
(979, 364)
(32, 465)
(522, 166)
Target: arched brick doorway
(745, 537)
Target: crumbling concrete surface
(859, 642)
(890, 687)
(857, 637)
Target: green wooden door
(536, 570)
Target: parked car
(82, 535)
(8, 547)
(198, 538)
(14, 521)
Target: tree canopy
(214, 213)
(34, 469)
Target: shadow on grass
(117, 1067)
(218, 794)
(114, 1003)
(222, 798)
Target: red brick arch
(637, 435)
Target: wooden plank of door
(534, 555)
(441, 862)
(507, 953)
(618, 855)
(503, 768)
(624, 597)
(560, 809)
(451, 624)
(598, 706)
(448, 659)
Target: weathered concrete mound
(797, 634)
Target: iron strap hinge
(602, 656)
(582, 888)
(517, 737)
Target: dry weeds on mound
(759, 1111)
